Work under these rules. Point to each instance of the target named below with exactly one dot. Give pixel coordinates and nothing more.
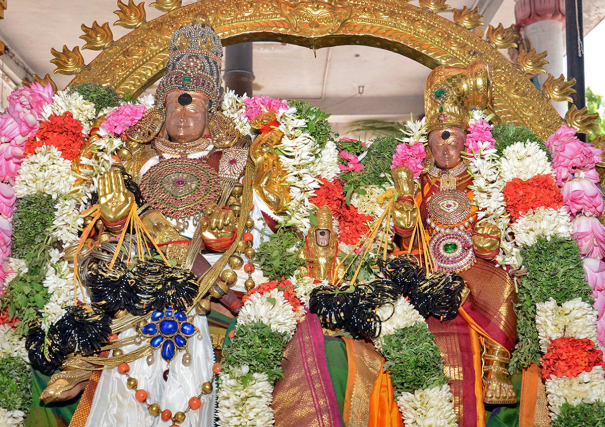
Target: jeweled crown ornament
(450, 92)
(194, 64)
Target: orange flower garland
(63, 132)
(521, 196)
(568, 357)
(284, 285)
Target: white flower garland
(66, 101)
(587, 387)
(541, 223)
(270, 308)
(45, 172)
(11, 418)
(11, 343)
(524, 160)
(241, 405)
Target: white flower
(415, 131)
(11, 418)
(12, 344)
(82, 110)
(432, 407)
(270, 308)
(524, 160)
(244, 406)
(147, 100)
(327, 164)
(67, 222)
(60, 283)
(542, 222)
(587, 387)
(45, 172)
(396, 316)
(573, 318)
(234, 107)
(368, 204)
(303, 286)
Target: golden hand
(404, 181)
(114, 199)
(217, 224)
(486, 240)
(405, 214)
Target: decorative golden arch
(134, 62)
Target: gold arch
(134, 62)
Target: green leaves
(413, 359)
(257, 346)
(26, 295)
(584, 414)
(15, 384)
(278, 257)
(554, 270)
(506, 135)
(317, 122)
(102, 97)
(34, 215)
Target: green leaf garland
(34, 216)
(584, 414)
(316, 122)
(102, 97)
(15, 384)
(278, 257)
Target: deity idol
(457, 243)
(188, 177)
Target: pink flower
(599, 302)
(27, 121)
(582, 196)
(595, 273)
(590, 235)
(3, 273)
(410, 156)
(479, 136)
(6, 232)
(560, 138)
(353, 164)
(121, 118)
(7, 200)
(261, 104)
(10, 161)
(601, 331)
(9, 128)
(32, 98)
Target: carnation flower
(432, 407)
(538, 191)
(270, 308)
(590, 235)
(479, 136)
(63, 132)
(410, 156)
(524, 160)
(582, 196)
(121, 118)
(261, 104)
(541, 222)
(45, 172)
(587, 387)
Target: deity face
(186, 115)
(322, 237)
(446, 145)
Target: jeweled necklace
(181, 149)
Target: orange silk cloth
(384, 411)
(364, 364)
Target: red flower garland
(284, 285)
(352, 225)
(330, 194)
(569, 357)
(521, 196)
(63, 132)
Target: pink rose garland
(261, 104)
(479, 137)
(410, 156)
(120, 119)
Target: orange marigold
(521, 196)
(569, 357)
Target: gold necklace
(182, 149)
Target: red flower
(569, 357)
(521, 196)
(284, 285)
(331, 194)
(352, 225)
(4, 319)
(63, 132)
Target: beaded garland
(452, 250)
(180, 187)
